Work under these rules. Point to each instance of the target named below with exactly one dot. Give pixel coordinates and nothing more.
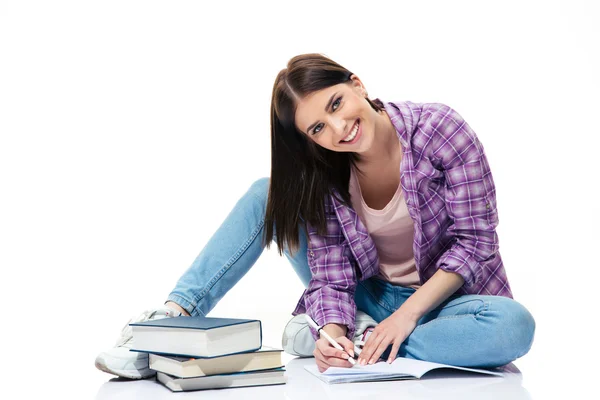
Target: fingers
(373, 348)
(347, 344)
(380, 349)
(369, 348)
(328, 356)
(329, 351)
(394, 351)
(321, 365)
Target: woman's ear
(358, 85)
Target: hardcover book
(198, 337)
(242, 379)
(185, 367)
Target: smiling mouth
(355, 125)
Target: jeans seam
(184, 303)
(446, 318)
(236, 256)
(486, 306)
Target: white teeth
(351, 136)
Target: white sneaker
(131, 364)
(298, 341)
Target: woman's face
(331, 116)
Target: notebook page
(400, 367)
(348, 378)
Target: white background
(129, 129)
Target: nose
(339, 127)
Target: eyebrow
(326, 108)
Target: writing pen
(320, 330)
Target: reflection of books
(401, 368)
(185, 367)
(242, 379)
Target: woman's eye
(334, 107)
(339, 99)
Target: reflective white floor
(444, 384)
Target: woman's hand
(328, 356)
(394, 329)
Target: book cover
(194, 322)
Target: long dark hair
(303, 173)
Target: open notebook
(401, 368)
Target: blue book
(198, 337)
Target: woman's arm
(469, 194)
(335, 330)
(329, 297)
(398, 326)
(433, 292)
(471, 205)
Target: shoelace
(126, 332)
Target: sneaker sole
(122, 373)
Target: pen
(329, 339)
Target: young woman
(384, 209)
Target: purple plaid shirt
(450, 195)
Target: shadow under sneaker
(131, 364)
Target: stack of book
(197, 353)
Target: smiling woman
(386, 212)
(369, 182)
(346, 114)
(316, 105)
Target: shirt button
(311, 253)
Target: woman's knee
(517, 325)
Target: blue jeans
(465, 330)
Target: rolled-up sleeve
(470, 195)
(329, 297)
